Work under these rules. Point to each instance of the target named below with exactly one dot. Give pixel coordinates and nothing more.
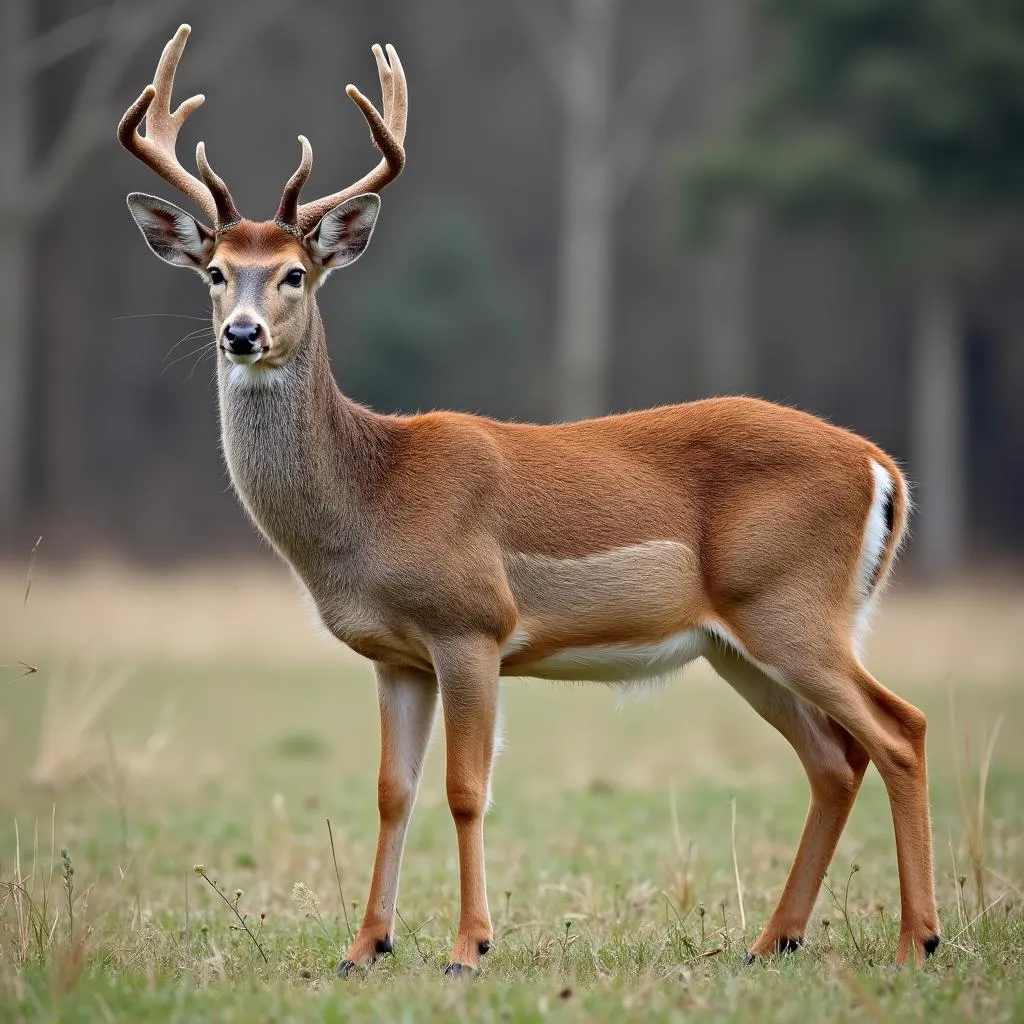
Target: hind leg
(893, 733)
(835, 764)
(818, 664)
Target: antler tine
(156, 148)
(398, 116)
(227, 214)
(288, 208)
(387, 82)
(387, 132)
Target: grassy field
(610, 853)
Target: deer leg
(835, 765)
(467, 672)
(824, 671)
(892, 731)
(408, 700)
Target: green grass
(610, 862)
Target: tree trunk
(14, 264)
(726, 308)
(726, 273)
(938, 425)
(583, 339)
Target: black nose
(241, 339)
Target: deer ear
(344, 232)
(174, 235)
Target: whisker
(202, 350)
(146, 316)
(188, 337)
(199, 359)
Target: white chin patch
(240, 360)
(253, 376)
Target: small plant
(567, 941)
(843, 906)
(68, 874)
(309, 903)
(232, 905)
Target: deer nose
(241, 339)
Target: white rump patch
(876, 534)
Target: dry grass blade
(337, 875)
(31, 569)
(972, 805)
(188, 928)
(684, 858)
(69, 749)
(736, 871)
(72, 748)
(413, 934)
(26, 669)
(977, 917)
(961, 910)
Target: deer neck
(300, 453)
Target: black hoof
(384, 946)
(790, 945)
(932, 944)
(458, 970)
(345, 968)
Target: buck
(451, 549)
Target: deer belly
(613, 663)
(630, 613)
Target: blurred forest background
(606, 206)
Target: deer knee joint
(914, 725)
(395, 799)
(907, 750)
(838, 781)
(466, 801)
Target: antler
(387, 132)
(156, 148)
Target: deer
(452, 550)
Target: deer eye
(216, 277)
(294, 277)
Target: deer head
(262, 275)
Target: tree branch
(637, 116)
(127, 25)
(63, 41)
(548, 37)
(93, 116)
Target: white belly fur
(566, 604)
(614, 663)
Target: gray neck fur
(304, 459)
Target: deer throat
(274, 433)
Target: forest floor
(635, 846)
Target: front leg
(467, 671)
(408, 700)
